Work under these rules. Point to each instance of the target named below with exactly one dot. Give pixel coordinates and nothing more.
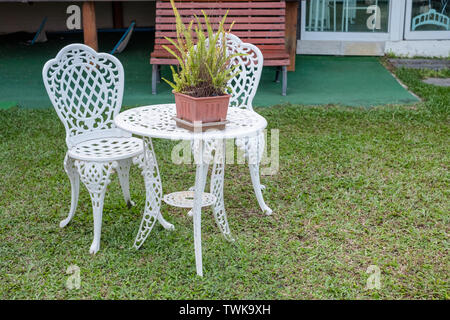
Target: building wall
(27, 17)
(419, 48)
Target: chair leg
(158, 80)
(95, 176)
(253, 149)
(154, 77)
(277, 75)
(254, 174)
(72, 172)
(123, 170)
(284, 84)
(97, 210)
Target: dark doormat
(442, 82)
(433, 64)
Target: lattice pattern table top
(156, 121)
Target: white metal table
(155, 121)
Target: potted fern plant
(200, 83)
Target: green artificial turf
(356, 187)
(351, 81)
(7, 104)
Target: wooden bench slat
(255, 41)
(240, 34)
(276, 63)
(269, 53)
(275, 54)
(267, 62)
(209, 1)
(221, 12)
(211, 5)
(272, 54)
(187, 20)
(236, 26)
(262, 47)
(163, 61)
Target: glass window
(430, 15)
(347, 15)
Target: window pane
(430, 15)
(347, 15)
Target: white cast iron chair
(86, 89)
(243, 89)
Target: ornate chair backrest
(86, 90)
(243, 86)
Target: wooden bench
(260, 22)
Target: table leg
(153, 193)
(200, 182)
(217, 180)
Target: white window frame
(348, 36)
(421, 35)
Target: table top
(156, 121)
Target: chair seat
(107, 149)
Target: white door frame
(421, 35)
(393, 24)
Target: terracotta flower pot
(205, 109)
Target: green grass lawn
(356, 187)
